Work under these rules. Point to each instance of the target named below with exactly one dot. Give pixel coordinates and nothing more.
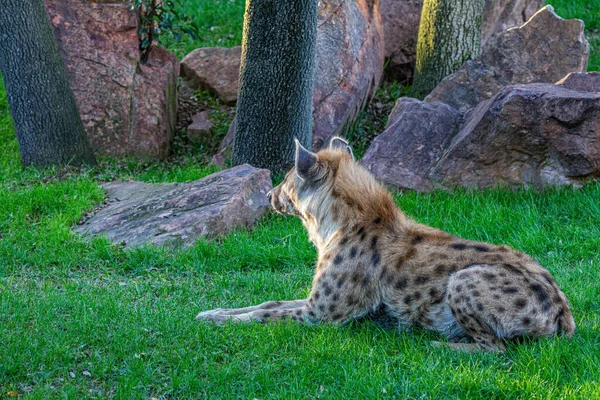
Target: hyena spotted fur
(373, 257)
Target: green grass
(83, 319)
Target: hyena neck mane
(347, 198)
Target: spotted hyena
(373, 257)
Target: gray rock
(582, 82)
(532, 135)
(414, 140)
(543, 50)
(199, 130)
(177, 214)
(215, 69)
(473, 83)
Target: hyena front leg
(270, 310)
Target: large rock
(215, 69)
(350, 58)
(128, 108)
(527, 135)
(401, 26)
(177, 214)
(414, 140)
(543, 50)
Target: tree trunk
(449, 35)
(47, 122)
(276, 82)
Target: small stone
(199, 130)
(215, 69)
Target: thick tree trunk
(49, 129)
(449, 35)
(276, 82)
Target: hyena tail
(566, 323)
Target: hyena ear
(305, 162)
(337, 142)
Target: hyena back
(372, 257)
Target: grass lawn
(91, 320)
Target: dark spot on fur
(410, 253)
(341, 281)
(475, 293)
(421, 279)
(374, 242)
(509, 290)
(401, 283)
(355, 277)
(557, 299)
(311, 313)
(321, 307)
(408, 299)
(417, 239)
(335, 297)
(377, 220)
(440, 269)
(375, 258)
(344, 241)
(471, 286)
(458, 288)
(326, 289)
(317, 295)
(500, 309)
(365, 280)
(337, 316)
(506, 282)
(539, 292)
(363, 236)
(488, 276)
(493, 288)
(360, 231)
(481, 248)
(351, 301)
(417, 295)
(526, 321)
(458, 246)
(382, 274)
(338, 259)
(331, 307)
(520, 303)
(496, 296)
(299, 312)
(503, 249)
(513, 269)
(353, 252)
(479, 306)
(267, 315)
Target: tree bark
(449, 35)
(47, 123)
(276, 82)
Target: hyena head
(327, 188)
(311, 177)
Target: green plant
(162, 16)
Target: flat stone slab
(178, 214)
